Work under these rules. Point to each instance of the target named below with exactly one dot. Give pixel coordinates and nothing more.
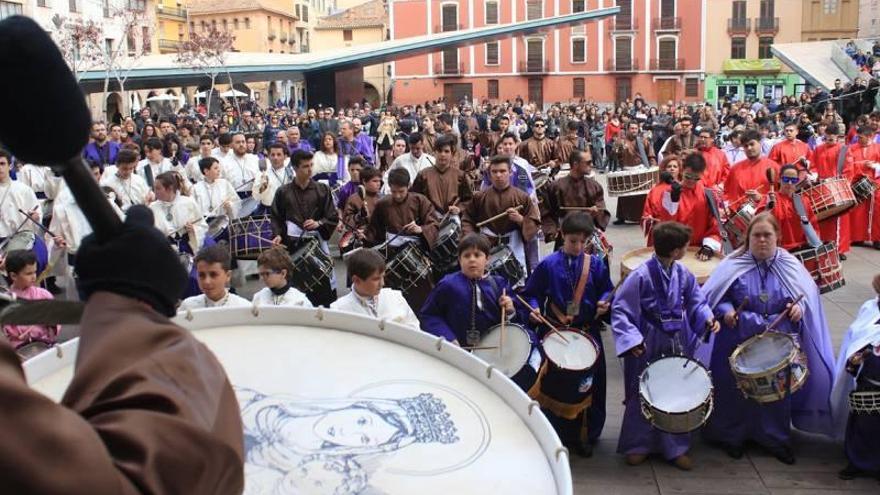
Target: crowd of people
(430, 198)
(867, 61)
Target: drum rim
(527, 410)
(795, 350)
(508, 326)
(582, 334)
(709, 398)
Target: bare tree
(206, 52)
(121, 58)
(79, 42)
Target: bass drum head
(675, 384)
(334, 402)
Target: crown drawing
(430, 421)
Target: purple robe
(344, 192)
(635, 320)
(300, 146)
(104, 155)
(365, 146)
(354, 148)
(810, 406)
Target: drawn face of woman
(354, 427)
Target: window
(764, 44)
(624, 18)
(667, 8)
(132, 44)
(492, 53)
(623, 53)
(305, 12)
(578, 6)
(42, 3)
(491, 12)
(666, 50)
(106, 7)
(768, 9)
(739, 9)
(534, 9)
(145, 39)
(346, 35)
(578, 50)
(577, 87)
(450, 61)
(737, 48)
(71, 5)
(192, 26)
(247, 22)
(296, 10)
(623, 88)
(138, 5)
(492, 89)
(534, 55)
(829, 6)
(691, 87)
(225, 25)
(449, 17)
(8, 9)
(108, 45)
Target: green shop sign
(728, 82)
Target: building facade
(740, 33)
(653, 47)
(829, 20)
(171, 25)
(869, 19)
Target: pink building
(653, 47)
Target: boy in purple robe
(553, 287)
(464, 305)
(771, 279)
(659, 310)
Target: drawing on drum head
(335, 445)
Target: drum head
(511, 357)
(701, 269)
(760, 354)
(675, 384)
(579, 353)
(385, 408)
(22, 240)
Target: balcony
(667, 24)
(177, 14)
(614, 65)
(539, 67)
(169, 46)
(283, 38)
(438, 28)
(448, 70)
(624, 24)
(667, 64)
(739, 25)
(766, 25)
(304, 48)
(271, 35)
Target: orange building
(653, 47)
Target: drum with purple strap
(250, 236)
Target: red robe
(793, 236)
(748, 174)
(788, 151)
(824, 162)
(717, 167)
(693, 211)
(864, 220)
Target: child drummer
(464, 305)
(658, 309)
(573, 288)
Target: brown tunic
(564, 146)
(354, 214)
(628, 153)
(490, 140)
(149, 410)
(679, 144)
(296, 204)
(539, 152)
(569, 191)
(486, 204)
(428, 141)
(443, 188)
(390, 217)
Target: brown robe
(428, 140)
(486, 204)
(564, 146)
(539, 152)
(679, 144)
(149, 410)
(490, 140)
(354, 214)
(296, 204)
(569, 191)
(443, 188)
(630, 208)
(390, 217)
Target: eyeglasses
(538, 125)
(788, 180)
(688, 176)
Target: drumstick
(736, 312)
(541, 318)
(611, 294)
(480, 347)
(771, 177)
(38, 224)
(579, 208)
(17, 230)
(782, 315)
(503, 320)
(496, 217)
(444, 217)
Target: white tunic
(192, 170)
(240, 169)
(389, 305)
(412, 165)
(172, 217)
(131, 191)
(34, 177)
(293, 297)
(201, 301)
(324, 163)
(210, 196)
(157, 168)
(274, 179)
(68, 220)
(16, 196)
(220, 155)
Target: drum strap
(812, 238)
(841, 159)
(148, 175)
(642, 154)
(710, 200)
(561, 409)
(578, 291)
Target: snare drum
(632, 182)
(769, 366)
(565, 380)
(675, 393)
(25, 240)
(250, 236)
(443, 419)
(863, 189)
(445, 249)
(831, 197)
(701, 269)
(348, 242)
(312, 267)
(512, 359)
(407, 268)
(503, 262)
(823, 263)
(737, 224)
(218, 227)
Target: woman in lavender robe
(658, 310)
(771, 279)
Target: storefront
(750, 79)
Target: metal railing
(766, 25)
(542, 67)
(739, 25)
(438, 28)
(625, 23)
(448, 69)
(667, 23)
(626, 65)
(173, 12)
(171, 45)
(667, 64)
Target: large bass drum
(391, 410)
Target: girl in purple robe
(771, 279)
(659, 310)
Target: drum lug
(319, 314)
(439, 343)
(189, 315)
(255, 309)
(489, 371)
(382, 325)
(561, 450)
(532, 405)
(58, 352)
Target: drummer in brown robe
(539, 150)
(567, 143)
(403, 217)
(631, 156)
(491, 139)
(518, 226)
(684, 141)
(149, 408)
(443, 184)
(360, 206)
(305, 208)
(577, 190)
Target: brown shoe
(683, 462)
(635, 459)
